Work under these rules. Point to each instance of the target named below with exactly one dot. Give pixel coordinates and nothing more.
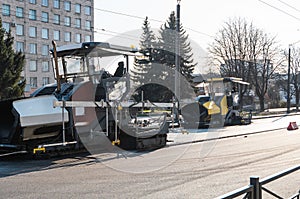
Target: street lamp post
(177, 53)
(288, 102)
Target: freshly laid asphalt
(197, 163)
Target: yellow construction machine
(217, 105)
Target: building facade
(35, 23)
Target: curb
(224, 137)
(274, 115)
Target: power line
(107, 11)
(127, 15)
(278, 9)
(196, 31)
(290, 6)
(40, 18)
(150, 19)
(115, 34)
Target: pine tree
(167, 47)
(145, 72)
(142, 67)
(11, 66)
(160, 67)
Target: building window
(87, 38)
(32, 31)
(45, 50)
(20, 46)
(32, 1)
(67, 21)
(56, 35)
(46, 80)
(67, 36)
(32, 48)
(32, 66)
(45, 66)
(19, 12)
(45, 3)
(56, 4)
(32, 14)
(19, 29)
(5, 10)
(6, 26)
(78, 38)
(77, 8)
(77, 23)
(33, 82)
(87, 10)
(45, 33)
(67, 5)
(45, 17)
(56, 19)
(88, 25)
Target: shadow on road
(20, 164)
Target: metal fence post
(254, 181)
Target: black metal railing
(248, 191)
(255, 189)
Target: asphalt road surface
(188, 167)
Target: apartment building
(35, 23)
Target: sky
(120, 21)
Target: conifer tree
(145, 72)
(167, 45)
(142, 67)
(11, 66)
(160, 67)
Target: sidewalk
(275, 112)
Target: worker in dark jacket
(120, 70)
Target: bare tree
(266, 63)
(245, 51)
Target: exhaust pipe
(56, 67)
